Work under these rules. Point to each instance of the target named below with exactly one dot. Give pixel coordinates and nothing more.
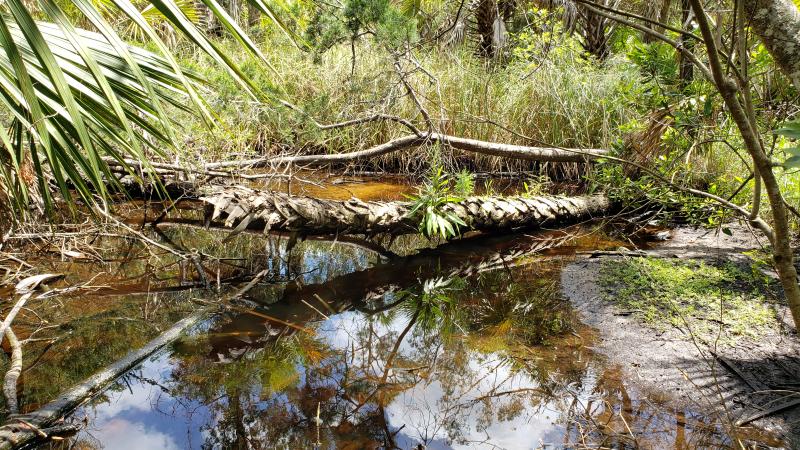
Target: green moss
(693, 293)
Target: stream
(469, 345)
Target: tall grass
(561, 101)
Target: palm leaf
(76, 98)
(75, 101)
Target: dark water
(467, 346)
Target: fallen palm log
(523, 152)
(240, 208)
(23, 430)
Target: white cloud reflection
(449, 411)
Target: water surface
(470, 345)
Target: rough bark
(544, 154)
(14, 370)
(240, 208)
(490, 18)
(777, 23)
(596, 30)
(686, 69)
(660, 14)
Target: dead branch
(21, 430)
(14, 370)
(542, 154)
(25, 288)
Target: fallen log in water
(22, 430)
(240, 208)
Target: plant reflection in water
(447, 350)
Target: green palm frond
(413, 7)
(155, 18)
(71, 99)
(188, 8)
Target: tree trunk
(659, 13)
(490, 25)
(240, 208)
(686, 68)
(780, 236)
(596, 30)
(777, 23)
(523, 152)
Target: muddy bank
(739, 382)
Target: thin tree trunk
(686, 68)
(780, 236)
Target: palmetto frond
(489, 23)
(113, 111)
(70, 98)
(157, 20)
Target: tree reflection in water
(490, 358)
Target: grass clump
(701, 295)
(563, 102)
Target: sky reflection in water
(460, 359)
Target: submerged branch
(22, 430)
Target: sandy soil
(663, 360)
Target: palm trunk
(596, 31)
(661, 15)
(240, 208)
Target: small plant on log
(465, 183)
(429, 201)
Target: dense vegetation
(700, 114)
(669, 111)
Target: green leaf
(792, 163)
(790, 130)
